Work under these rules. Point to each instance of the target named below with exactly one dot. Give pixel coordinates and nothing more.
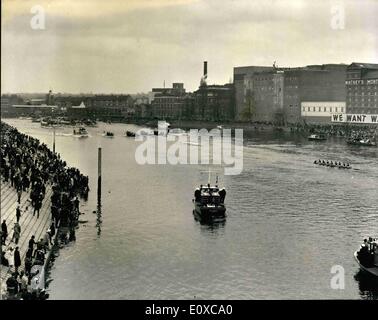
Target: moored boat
(130, 134)
(44, 123)
(367, 256)
(108, 134)
(80, 133)
(316, 137)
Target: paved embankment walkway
(29, 225)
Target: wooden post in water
(99, 177)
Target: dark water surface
(288, 222)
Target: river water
(288, 222)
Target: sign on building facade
(355, 118)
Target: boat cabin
(210, 195)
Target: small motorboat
(367, 256)
(220, 127)
(130, 134)
(80, 133)
(177, 131)
(361, 142)
(145, 132)
(316, 137)
(163, 128)
(44, 123)
(161, 132)
(108, 134)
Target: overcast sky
(129, 46)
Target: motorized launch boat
(361, 142)
(209, 200)
(367, 256)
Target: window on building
(330, 109)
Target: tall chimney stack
(205, 69)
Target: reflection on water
(211, 224)
(367, 284)
(288, 222)
(99, 219)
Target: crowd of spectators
(29, 166)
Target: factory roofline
(364, 65)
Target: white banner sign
(355, 118)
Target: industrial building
(362, 88)
(275, 95)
